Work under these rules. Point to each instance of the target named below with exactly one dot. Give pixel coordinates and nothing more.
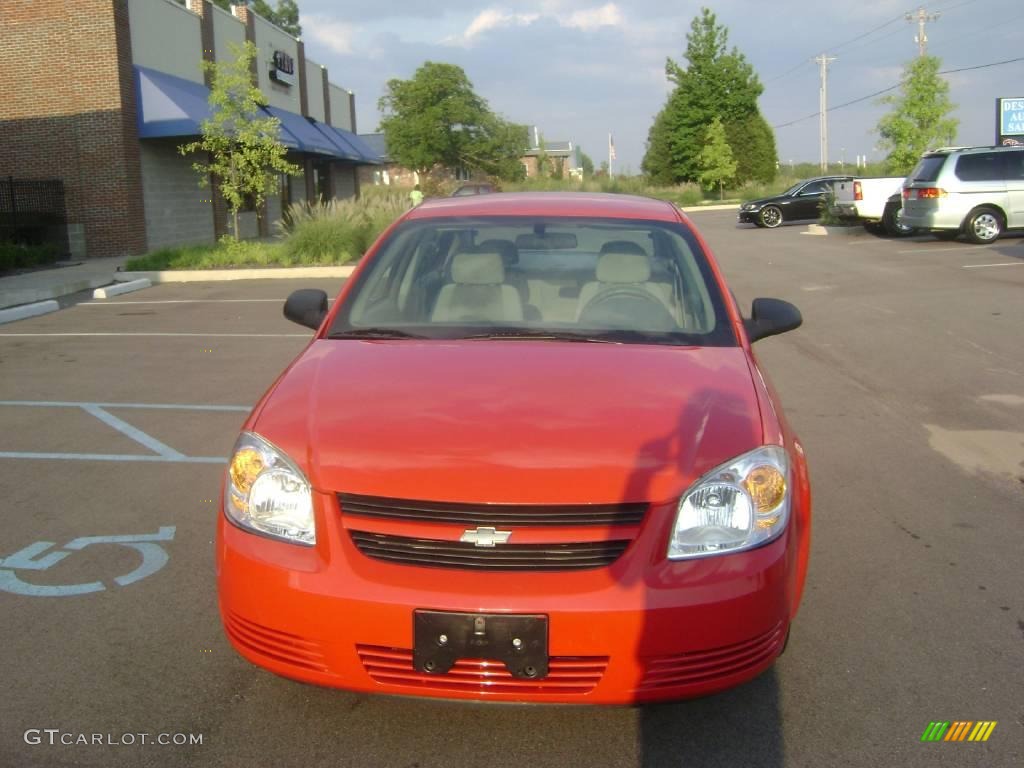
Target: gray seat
(624, 263)
(509, 259)
(477, 291)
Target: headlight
(737, 506)
(749, 206)
(265, 492)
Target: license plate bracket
(519, 641)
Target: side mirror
(306, 306)
(770, 317)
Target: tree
(716, 162)
(587, 164)
(919, 118)
(717, 82)
(241, 142)
(285, 15)
(753, 143)
(436, 119)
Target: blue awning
(343, 149)
(300, 133)
(169, 105)
(362, 151)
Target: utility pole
(823, 61)
(922, 17)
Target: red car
(528, 456)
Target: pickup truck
(871, 201)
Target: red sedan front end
(513, 515)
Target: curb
(118, 288)
(28, 310)
(820, 230)
(215, 275)
(695, 208)
(29, 295)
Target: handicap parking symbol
(32, 558)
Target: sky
(581, 69)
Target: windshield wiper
(542, 334)
(374, 333)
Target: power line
(835, 47)
(894, 87)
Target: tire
(892, 224)
(770, 216)
(984, 226)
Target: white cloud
(608, 15)
(332, 34)
(492, 18)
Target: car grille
(280, 646)
(703, 666)
(492, 514)
(502, 557)
(566, 674)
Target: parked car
(801, 201)
(872, 202)
(975, 191)
(474, 189)
(528, 455)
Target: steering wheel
(634, 304)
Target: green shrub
(338, 231)
(20, 256)
(227, 253)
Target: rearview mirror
(770, 317)
(306, 306)
(549, 241)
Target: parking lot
(906, 384)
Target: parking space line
(113, 457)
(189, 335)
(134, 433)
(1001, 264)
(162, 451)
(174, 406)
(955, 249)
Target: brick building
(101, 93)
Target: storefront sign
(282, 68)
(1010, 121)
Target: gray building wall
(341, 111)
(227, 30)
(344, 176)
(177, 211)
(165, 37)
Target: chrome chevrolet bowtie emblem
(485, 537)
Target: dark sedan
(800, 201)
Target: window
(621, 280)
(815, 188)
(984, 166)
(928, 168)
(1014, 166)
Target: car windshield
(573, 279)
(792, 190)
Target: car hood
(512, 421)
(765, 200)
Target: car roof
(970, 150)
(549, 204)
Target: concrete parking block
(117, 289)
(28, 310)
(217, 275)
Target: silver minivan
(977, 192)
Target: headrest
(507, 249)
(623, 268)
(622, 246)
(478, 269)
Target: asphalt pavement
(906, 384)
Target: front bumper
(747, 217)
(642, 629)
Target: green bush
(20, 256)
(227, 253)
(338, 231)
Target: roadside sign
(1010, 121)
